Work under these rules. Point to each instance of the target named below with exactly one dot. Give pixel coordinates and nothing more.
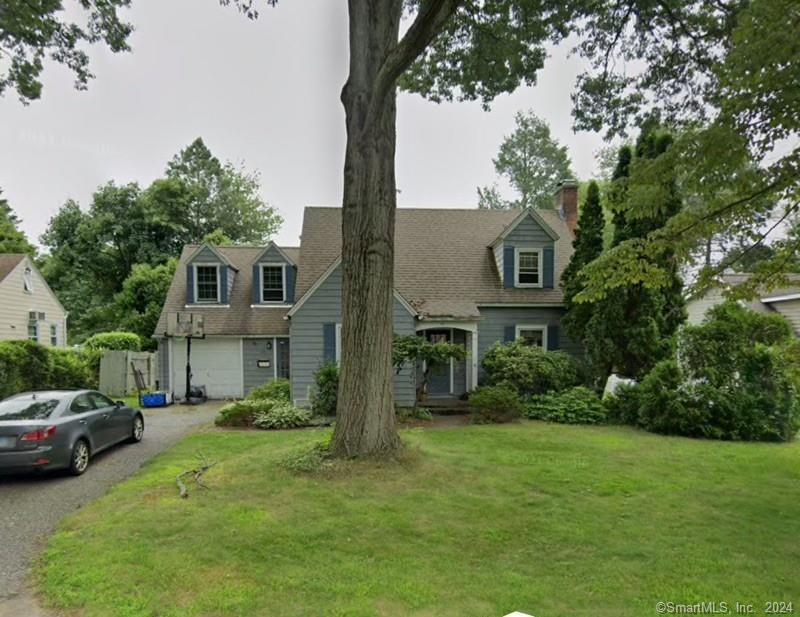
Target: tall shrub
(529, 369)
(325, 394)
(116, 341)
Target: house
(785, 301)
(472, 277)
(28, 307)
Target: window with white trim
(33, 330)
(534, 335)
(206, 282)
(54, 335)
(528, 267)
(338, 342)
(273, 282)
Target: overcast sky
(265, 93)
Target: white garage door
(216, 364)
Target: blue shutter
(548, 268)
(510, 334)
(256, 297)
(552, 337)
(190, 284)
(290, 276)
(508, 267)
(329, 342)
(223, 284)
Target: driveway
(32, 506)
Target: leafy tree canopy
(12, 240)
(532, 161)
(33, 30)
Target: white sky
(265, 93)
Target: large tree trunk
(365, 423)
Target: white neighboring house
(28, 307)
(785, 301)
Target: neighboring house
(469, 276)
(785, 301)
(28, 307)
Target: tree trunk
(365, 423)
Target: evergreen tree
(12, 240)
(588, 245)
(630, 329)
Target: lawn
(476, 521)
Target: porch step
(445, 405)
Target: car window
(27, 409)
(100, 401)
(81, 404)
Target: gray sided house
(471, 277)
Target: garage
(216, 364)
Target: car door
(95, 420)
(119, 420)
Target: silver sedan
(62, 429)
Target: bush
(494, 404)
(622, 407)
(277, 389)
(282, 415)
(325, 394)
(406, 414)
(116, 341)
(577, 405)
(529, 369)
(243, 413)
(26, 366)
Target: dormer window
(528, 267)
(206, 278)
(27, 280)
(273, 282)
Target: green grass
(547, 519)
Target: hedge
(26, 366)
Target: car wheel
(137, 431)
(79, 461)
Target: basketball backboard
(185, 324)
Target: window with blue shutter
(510, 334)
(256, 291)
(508, 267)
(552, 337)
(190, 284)
(329, 342)
(291, 274)
(549, 267)
(223, 284)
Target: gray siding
(272, 255)
(528, 232)
(491, 328)
(163, 365)
(305, 329)
(205, 255)
(255, 349)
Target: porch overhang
(470, 326)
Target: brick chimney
(567, 202)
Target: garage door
(216, 364)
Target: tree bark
(365, 420)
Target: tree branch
(432, 16)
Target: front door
(439, 374)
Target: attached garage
(216, 364)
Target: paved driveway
(32, 506)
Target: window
(338, 342)
(207, 283)
(33, 330)
(54, 335)
(533, 335)
(27, 280)
(81, 404)
(100, 401)
(527, 266)
(273, 282)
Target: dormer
(209, 278)
(274, 275)
(525, 253)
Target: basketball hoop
(185, 325)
